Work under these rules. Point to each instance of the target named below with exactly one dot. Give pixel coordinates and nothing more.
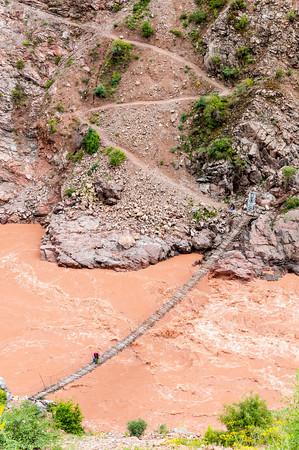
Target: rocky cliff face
(54, 55)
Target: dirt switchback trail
(224, 90)
(101, 30)
(153, 171)
(140, 103)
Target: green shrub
(221, 148)
(291, 203)
(116, 156)
(238, 5)
(115, 79)
(20, 64)
(162, 429)
(249, 423)
(121, 52)
(213, 109)
(100, 91)
(244, 54)
(27, 43)
(230, 73)
(146, 29)
(68, 417)
(243, 87)
(242, 22)
(53, 123)
(139, 10)
(216, 60)
(292, 15)
(57, 59)
(91, 141)
(250, 412)
(137, 427)
(279, 74)
(217, 4)
(198, 17)
(76, 156)
(69, 62)
(203, 214)
(176, 32)
(18, 95)
(69, 192)
(60, 107)
(48, 84)
(288, 172)
(25, 428)
(3, 397)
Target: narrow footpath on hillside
(100, 31)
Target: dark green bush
(249, 423)
(146, 29)
(213, 109)
(230, 73)
(68, 417)
(121, 52)
(289, 172)
(242, 22)
(20, 64)
(115, 79)
(100, 91)
(221, 148)
(198, 17)
(116, 156)
(244, 54)
(26, 428)
(217, 4)
(137, 427)
(291, 203)
(238, 5)
(18, 95)
(251, 412)
(91, 141)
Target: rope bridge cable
(176, 298)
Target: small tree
(137, 427)
(68, 417)
(91, 141)
(251, 412)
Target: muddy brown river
(225, 340)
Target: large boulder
(82, 242)
(234, 265)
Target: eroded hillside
(126, 128)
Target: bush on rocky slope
(91, 141)
(24, 427)
(68, 417)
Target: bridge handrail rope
(176, 298)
